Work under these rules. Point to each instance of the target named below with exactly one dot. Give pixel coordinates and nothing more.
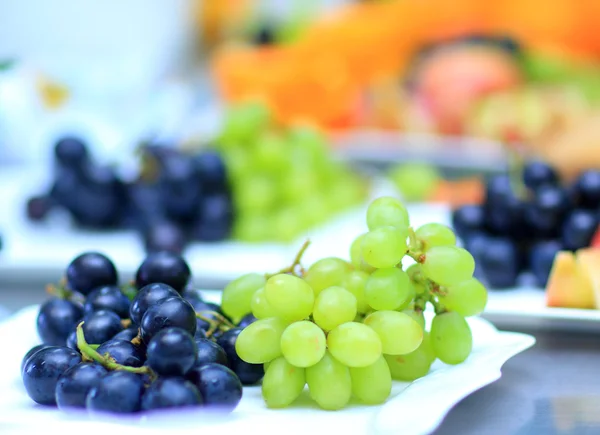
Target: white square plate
(407, 411)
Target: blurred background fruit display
(510, 68)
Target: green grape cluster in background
(284, 180)
(349, 328)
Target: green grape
(244, 121)
(252, 228)
(257, 194)
(451, 337)
(387, 211)
(372, 384)
(309, 138)
(238, 162)
(414, 365)
(303, 344)
(435, 235)
(314, 210)
(399, 333)
(355, 282)
(329, 383)
(259, 342)
(417, 316)
(287, 225)
(345, 193)
(448, 265)
(282, 384)
(327, 272)
(354, 344)
(261, 309)
(388, 289)
(270, 154)
(237, 295)
(291, 297)
(384, 247)
(467, 298)
(299, 184)
(334, 306)
(415, 181)
(356, 257)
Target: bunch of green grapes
(349, 328)
(283, 179)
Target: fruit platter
(361, 343)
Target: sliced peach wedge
(589, 266)
(569, 284)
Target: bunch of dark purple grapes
(175, 199)
(147, 345)
(523, 223)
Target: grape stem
(126, 323)
(292, 268)
(221, 323)
(60, 291)
(129, 290)
(437, 306)
(89, 353)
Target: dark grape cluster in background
(176, 198)
(157, 343)
(521, 228)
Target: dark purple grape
(101, 326)
(170, 312)
(107, 298)
(75, 383)
(537, 174)
(42, 370)
(164, 236)
(180, 187)
(210, 352)
(30, 353)
(72, 341)
(468, 219)
(56, 319)
(166, 268)
(248, 319)
(587, 189)
(578, 229)
(547, 210)
(172, 352)
(118, 392)
(219, 386)
(171, 393)
(148, 296)
(126, 334)
(499, 263)
(541, 259)
(89, 271)
(212, 171)
(123, 352)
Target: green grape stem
(221, 323)
(129, 290)
(60, 291)
(292, 269)
(89, 353)
(437, 306)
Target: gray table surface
(552, 388)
